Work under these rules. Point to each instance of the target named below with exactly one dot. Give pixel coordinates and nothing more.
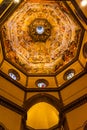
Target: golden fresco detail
(41, 56)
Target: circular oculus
(40, 29)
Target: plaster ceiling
(44, 53)
(23, 49)
(42, 38)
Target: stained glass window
(69, 74)
(13, 74)
(41, 83)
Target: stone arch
(43, 97)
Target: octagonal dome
(27, 49)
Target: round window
(40, 29)
(69, 74)
(41, 83)
(14, 74)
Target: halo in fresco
(41, 56)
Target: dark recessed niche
(14, 74)
(1, 127)
(41, 83)
(69, 74)
(85, 126)
(85, 50)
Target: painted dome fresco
(41, 37)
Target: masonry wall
(10, 119)
(76, 118)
